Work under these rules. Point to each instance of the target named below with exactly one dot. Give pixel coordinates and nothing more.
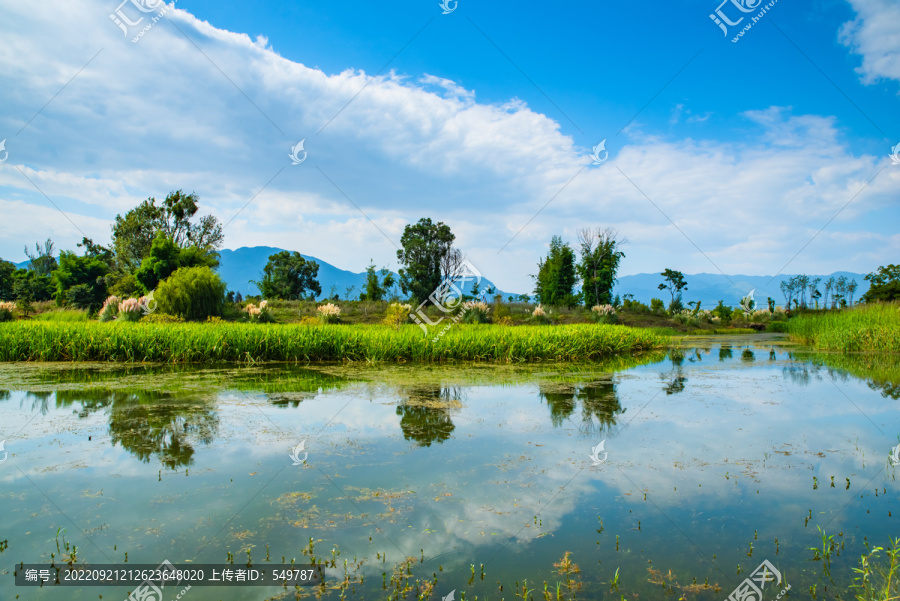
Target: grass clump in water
(238, 342)
(868, 328)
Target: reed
(867, 328)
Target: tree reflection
(425, 413)
(149, 424)
(675, 379)
(599, 404)
(724, 352)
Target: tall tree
(374, 290)
(425, 244)
(42, 261)
(83, 274)
(674, 282)
(600, 257)
(289, 276)
(133, 234)
(884, 284)
(556, 276)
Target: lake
(471, 479)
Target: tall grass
(62, 315)
(196, 342)
(868, 328)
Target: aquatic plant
(241, 342)
(866, 328)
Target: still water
(472, 479)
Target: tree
(425, 245)
(556, 276)
(165, 257)
(76, 271)
(829, 284)
(133, 234)
(7, 280)
(600, 257)
(674, 282)
(191, 293)
(42, 261)
(884, 285)
(289, 276)
(374, 290)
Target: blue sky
(768, 154)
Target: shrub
(722, 312)
(109, 309)
(215, 320)
(81, 296)
(604, 314)
(397, 315)
(132, 309)
(475, 312)
(776, 326)
(657, 306)
(259, 314)
(6, 311)
(329, 313)
(634, 306)
(191, 293)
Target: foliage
(556, 276)
(604, 314)
(289, 276)
(657, 307)
(884, 285)
(397, 315)
(258, 314)
(329, 313)
(475, 312)
(86, 273)
(133, 234)
(777, 326)
(600, 258)
(722, 312)
(29, 282)
(191, 293)
(43, 262)
(125, 286)
(633, 306)
(157, 317)
(200, 342)
(879, 580)
(7, 279)
(165, 257)
(61, 315)
(865, 328)
(425, 245)
(674, 283)
(109, 310)
(6, 310)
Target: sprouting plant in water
(826, 550)
(614, 583)
(876, 581)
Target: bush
(109, 309)
(329, 313)
(397, 315)
(722, 312)
(6, 311)
(475, 312)
(191, 293)
(604, 314)
(81, 296)
(657, 306)
(777, 326)
(633, 306)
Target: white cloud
(143, 119)
(875, 34)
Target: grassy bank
(237, 342)
(872, 328)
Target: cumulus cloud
(875, 35)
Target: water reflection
(599, 404)
(425, 412)
(149, 424)
(675, 379)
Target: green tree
(42, 261)
(7, 280)
(884, 285)
(600, 258)
(374, 290)
(289, 276)
(425, 244)
(191, 293)
(165, 257)
(133, 234)
(556, 276)
(40, 287)
(674, 282)
(85, 270)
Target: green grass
(62, 315)
(239, 342)
(868, 328)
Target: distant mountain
(238, 267)
(710, 288)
